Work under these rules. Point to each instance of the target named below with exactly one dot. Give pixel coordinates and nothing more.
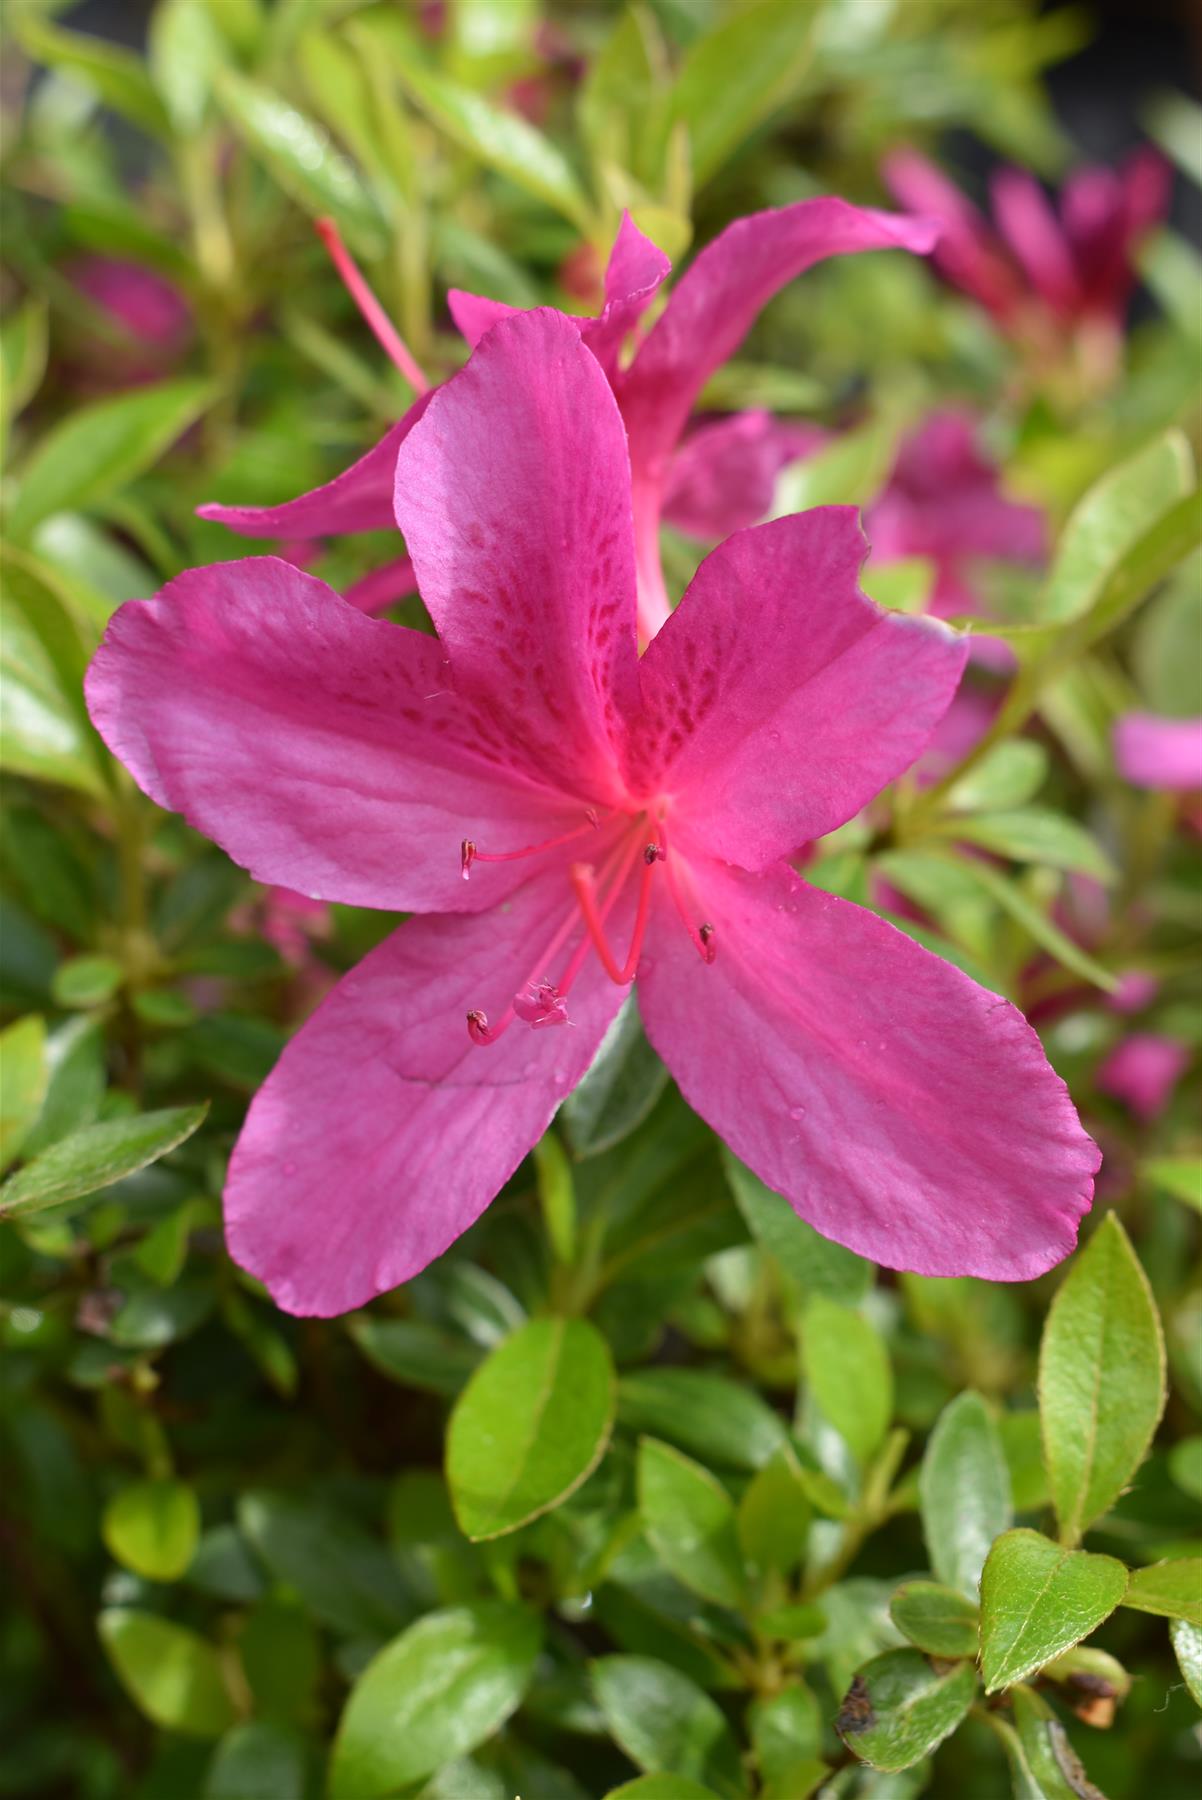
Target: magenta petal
(723, 476)
(900, 1108)
(381, 587)
(944, 499)
(1159, 753)
(633, 275)
(360, 499)
(967, 254)
(1037, 238)
(324, 751)
(778, 699)
(514, 498)
(384, 1132)
(474, 314)
(1143, 1070)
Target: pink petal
(778, 699)
(1037, 238)
(944, 499)
(633, 275)
(474, 314)
(514, 498)
(360, 499)
(383, 586)
(1159, 753)
(1142, 1072)
(324, 751)
(723, 476)
(384, 1132)
(900, 1108)
(967, 254)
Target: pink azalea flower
(728, 468)
(900, 1107)
(151, 322)
(1159, 753)
(1142, 1072)
(1040, 272)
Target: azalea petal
(944, 499)
(635, 271)
(1159, 753)
(1143, 1070)
(514, 498)
(967, 253)
(1034, 233)
(474, 314)
(381, 587)
(900, 1108)
(778, 699)
(723, 476)
(384, 1132)
(324, 751)
(360, 499)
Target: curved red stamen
(469, 854)
(704, 935)
(382, 327)
(584, 884)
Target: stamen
(468, 853)
(583, 881)
(382, 327)
(708, 947)
(703, 935)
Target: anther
(477, 1027)
(707, 934)
(467, 856)
(653, 853)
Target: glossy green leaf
(153, 1527)
(185, 51)
(260, 1761)
(432, 1695)
(817, 1264)
(345, 1577)
(786, 1735)
(617, 97)
(1041, 926)
(102, 447)
(95, 1157)
(115, 75)
(791, 1623)
(86, 980)
(964, 1490)
(1180, 1176)
(661, 1787)
(666, 1724)
(619, 1091)
(738, 73)
(689, 1519)
(1009, 776)
(1187, 1646)
(170, 1673)
(1101, 1379)
(414, 1353)
(847, 1371)
(1043, 1763)
(24, 1075)
(899, 1708)
(1172, 1589)
(937, 1619)
(530, 1426)
(1037, 1600)
(707, 1415)
(1035, 834)
(24, 340)
(43, 733)
(774, 1516)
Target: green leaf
(102, 447)
(115, 75)
(44, 732)
(1110, 522)
(24, 340)
(774, 1516)
(1180, 1176)
(171, 1674)
(24, 1074)
(622, 1086)
(815, 1263)
(964, 1490)
(1043, 1762)
(1007, 777)
(83, 981)
(530, 1426)
(281, 1653)
(1187, 1646)
(847, 1371)
(1036, 834)
(848, 472)
(661, 1787)
(432, 1695)
(75, 1059)
(346, 1578)
(721, 1420)
(737, 74)
(899, 1708)
(95, 1157)
(902, 586)
(1042, 928)
(791, 1623)
(617, 98)
(153, 1527)
(1171, 1589)
(937, 1619)
(185, 51)
(666, 1724)
(689, 1520)
(260, 1761)
(302, 158)
(414, 1353)
(1037, 1600)
(1101, 1379)
(786, 1736)
(557, 1196)
(501, 140)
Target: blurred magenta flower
(728, 468)
(153, 320)
(1152, 752)
(1142, 1070)
(1051, 277)
(900, 1107)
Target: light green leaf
(102, 447)
(848, 472)
(1037, 1600)
(24, 1075)
(666, 1724)
(260, 1761)
(1180, 1176)
(1007, 777)
(1036, 834)
(432, 1695)
(738, 73)
(1175, 121)
(1172, 1589)
(1043, 1761)
(84, 981)
(23, 343)
(1187, 1645)
(689, 1520)
(616, 101)
(557, 1196)
(115, 75)
(725, 1422)
(153, 1527)
(899, 1708)
(171, 1674)
(964, 1489)
(847, 1371)
(937, 1619)
(816, 1264)
(43, 731)
(530, 1426)
(1040, 926)
(1101, 1379)
(661, 1787)
(302, 158)
(95, 1157)
(774, 1516)
(903, 586)
(184, 52)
